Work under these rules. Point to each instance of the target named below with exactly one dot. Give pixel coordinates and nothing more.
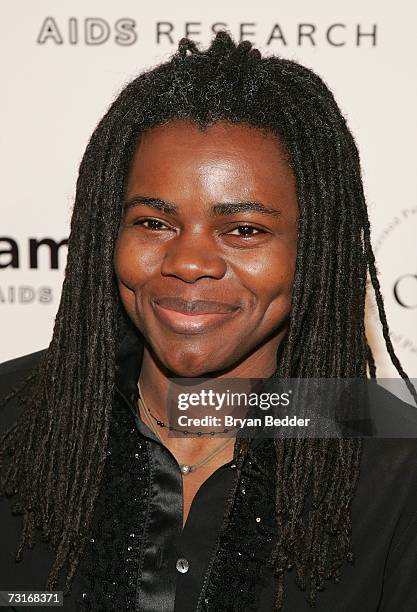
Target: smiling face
(205, 255)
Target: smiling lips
(194, 316)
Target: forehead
(222, 160)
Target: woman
(220, 229)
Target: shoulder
(13, 374)
(388, 475)
(14, 371)
(391, 452)
(392, 417)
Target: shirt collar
(128, 363)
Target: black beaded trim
(241, 566)
(110, 566)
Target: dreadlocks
(58, 443)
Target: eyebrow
(217, 210)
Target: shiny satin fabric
(161, 587)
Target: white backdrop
(64, 62)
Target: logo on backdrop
(126, 31)
(395, 253)
(37, 254)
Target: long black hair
(58, 444)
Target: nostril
(190, 266)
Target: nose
(193, 256)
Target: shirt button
(182, 566)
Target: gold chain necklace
(185, 467)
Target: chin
(187, 365)
(190, 370)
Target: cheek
(129, 267)
(270, 277)
(132, 264)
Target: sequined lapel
(239, 567)
(111, 564)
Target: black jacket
(384, 515)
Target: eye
(246, 231)
(151, 224)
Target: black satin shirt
(176, 558)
